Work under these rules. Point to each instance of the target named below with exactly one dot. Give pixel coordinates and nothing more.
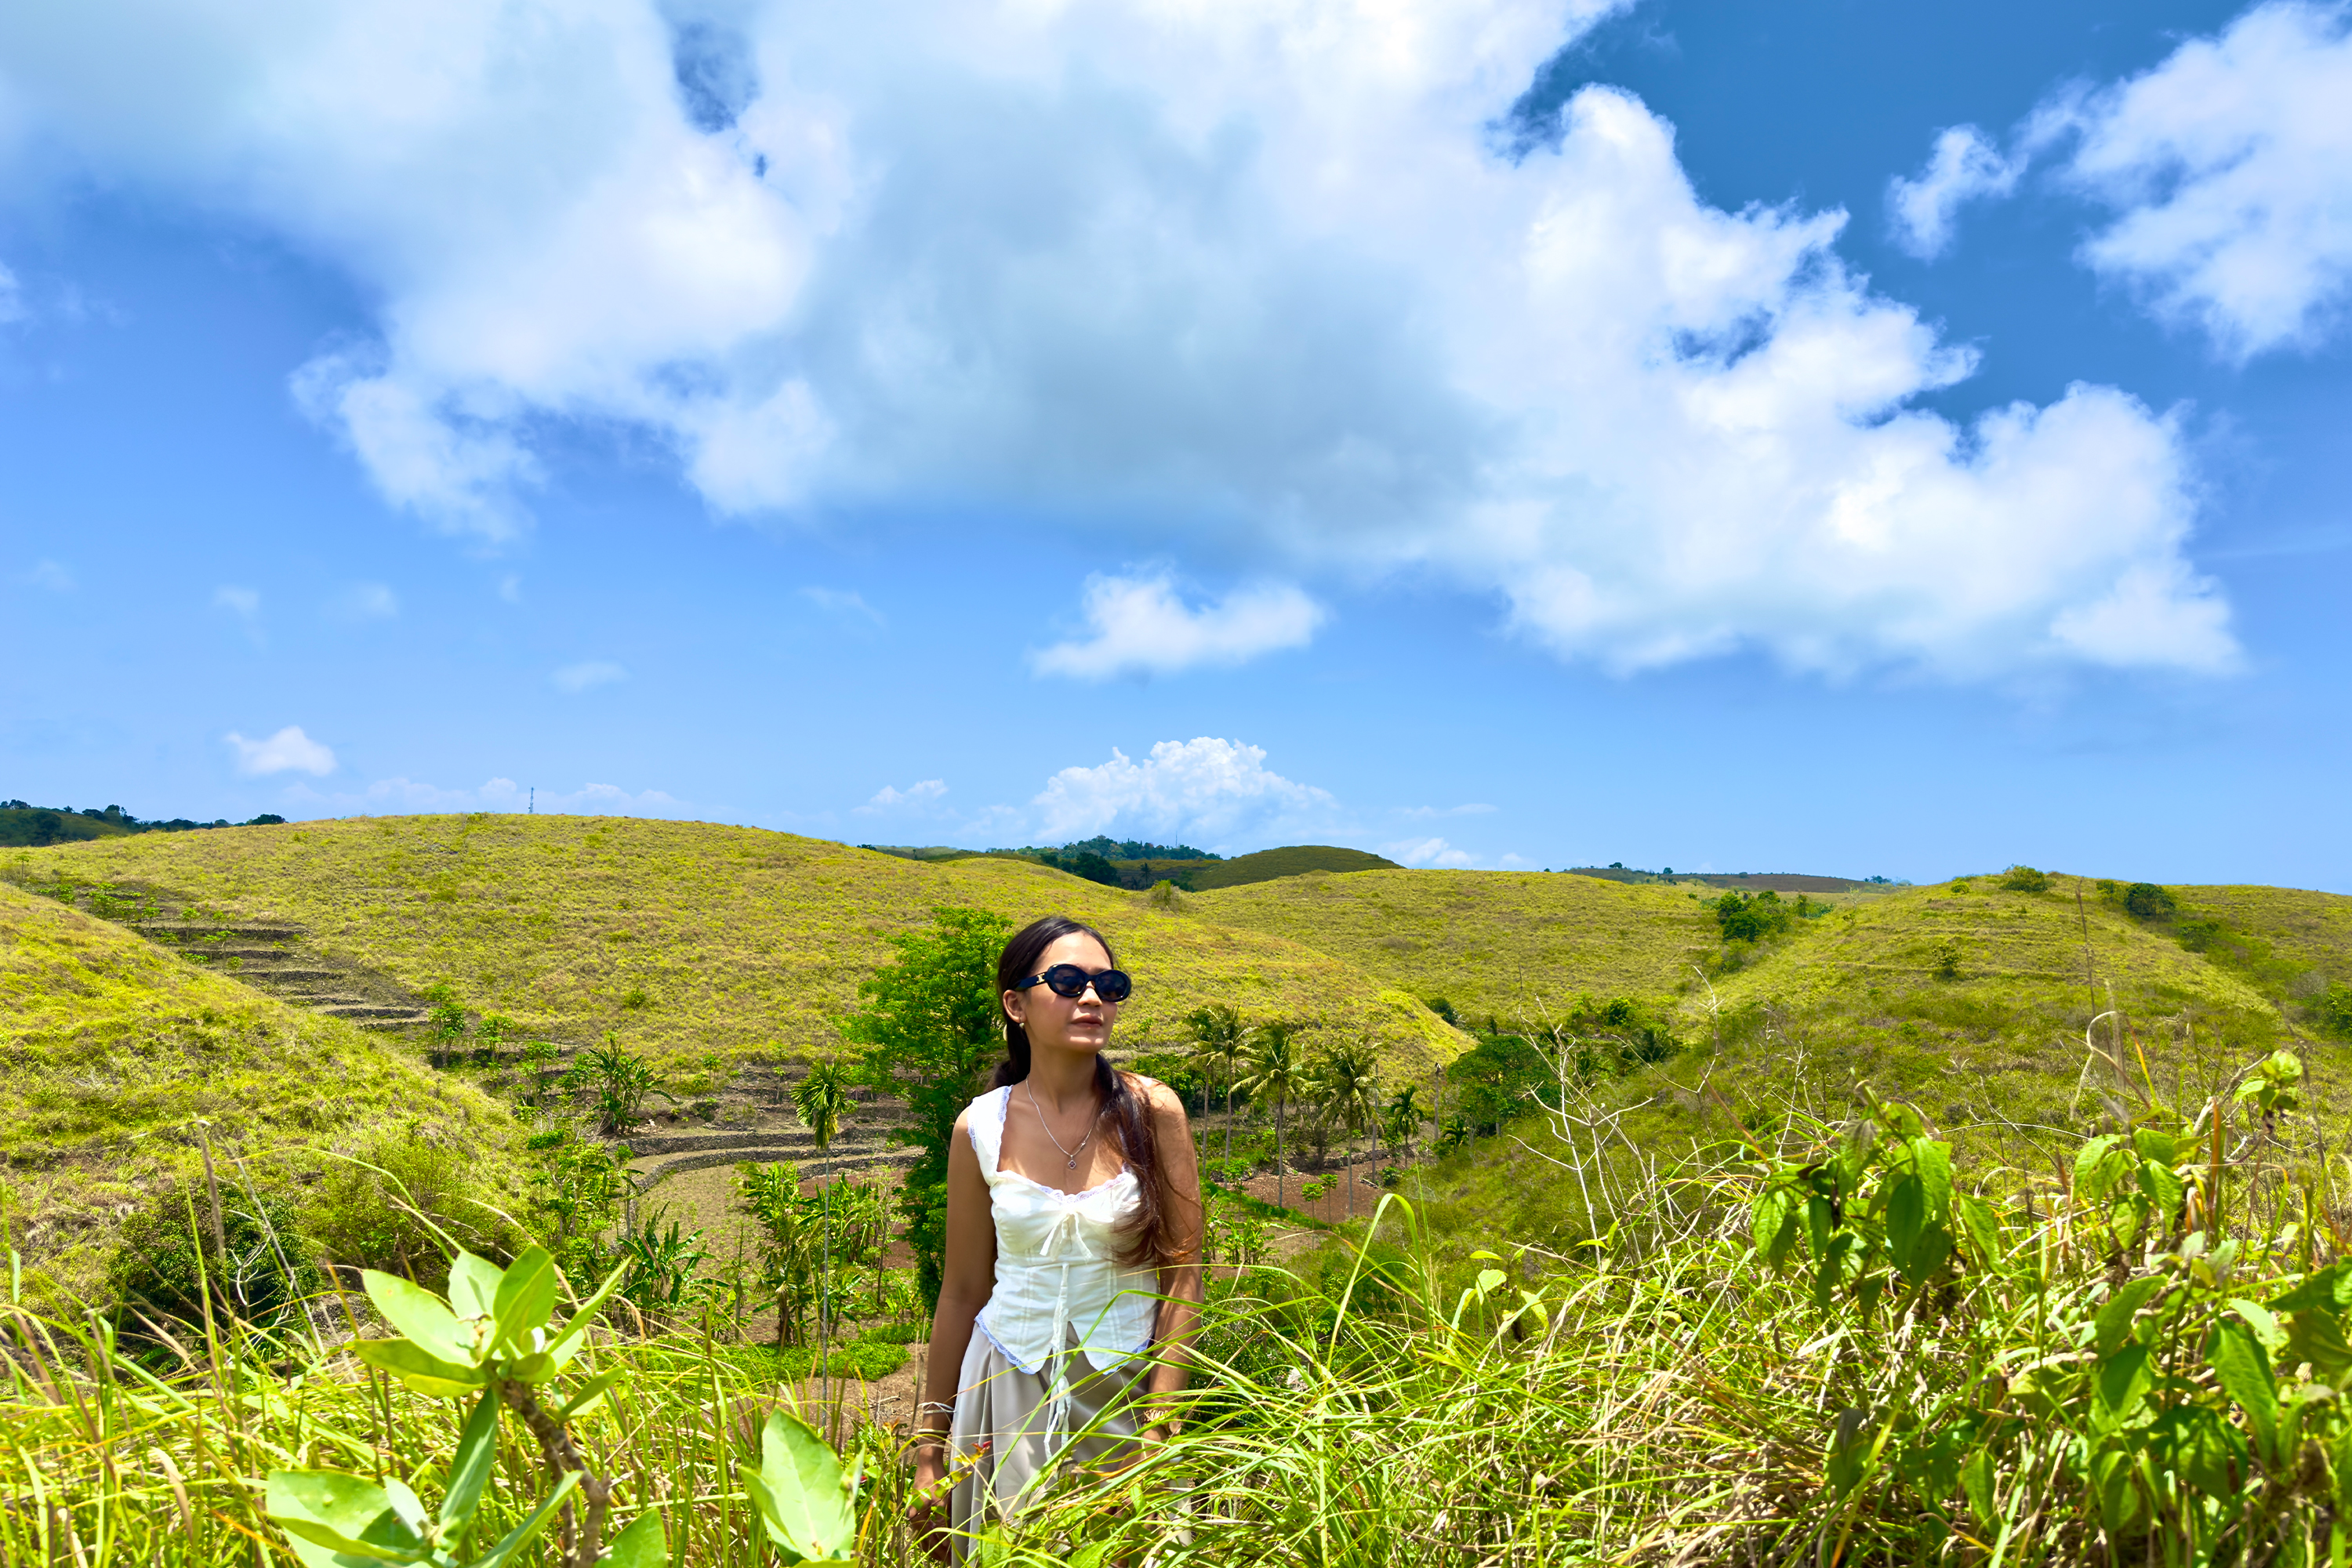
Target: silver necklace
(1069, 1154)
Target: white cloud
(510, 588)
(403, 796)
(288, 751)
(1427, 852)
(1963, 167)
(587, 675)
(364, 602)
(888, 798)
(2232, 164)
(12, 298)
(1246, 268)
(244, 604)
(54, 575)
(1210, 787)
(1138, 626)
(844, 604)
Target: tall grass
(1806, 1352)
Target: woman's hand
(927, 1514)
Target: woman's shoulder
(1162, 1099)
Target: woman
(1071, 1270)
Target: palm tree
(1401, 1119)
(1351, 1094)
(821, 1101)
(1275, 1068)
(1220, 1038)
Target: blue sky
(1809, 436)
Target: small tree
(1219, 1040)
(821, 1101)
(1351, 1096)
(1275, 1068)
(929, 1025)
(1401, 1119)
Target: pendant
(1073, 1161)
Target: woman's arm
(1181, 1282)
(966, 1278)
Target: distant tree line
(23, 826)
(1119, 862)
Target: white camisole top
(1058, 1260)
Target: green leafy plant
(621, 1084)
(804, 1501)
(494, 1340)
(2025, 879)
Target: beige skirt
(1001, 1437)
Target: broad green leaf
(1928, 1254)
(2205, 1450)
(2329, 1290)
(340, 1517)
(419, 1314)
(470, 1465)
(1768, 1219)
(2245, 1370)
(2089, 1180)
(567, 1343)
(2124, 1379)
(589, 1394)
(2259, 1318)
(1976, 1480)
(1488, 1278)
(1907, 1213)
(2115, 1319)
(2161, 1147)
(642, 1545)
(812, 1513)
(473, 1286)
(1932, 1160)
(1982, 1227)
(2317, 1335)
(526, 1296)
(1902, 1120)
(423, 1371)
(2122, 1502)
(2163, 1187)
(1817, 1225)
(521, 1536)
(404, 1504)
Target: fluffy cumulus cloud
(587, 675)
(921, 795)
(1246, 271)
(2232, 166)
(1140, 626)
(1965, 166)
(288, 751)
(1210, 788)
(1427, 852)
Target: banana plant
(494, 1340)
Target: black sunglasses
(1068, 980)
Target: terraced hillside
(1491, 943)
(114, 1050)
(702, 946)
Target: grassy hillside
(115, 1049)
(1988, 1047)
(1497, 942)
(1293, 860)
(702, 945)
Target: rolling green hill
(702, 945)
(1499, 943)
(115, 1049)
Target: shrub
(1751, 918)
(2147, 901)
(2025, 879)
(361, 1213)
(169, 1256)
(1445, 1009)
(2334, 1009)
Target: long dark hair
(1151, 1234)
